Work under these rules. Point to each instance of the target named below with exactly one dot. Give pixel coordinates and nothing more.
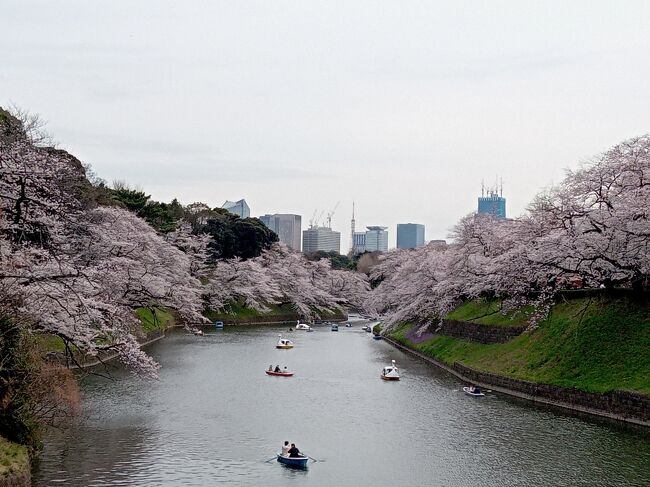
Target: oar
(313, 459)
(272, 458)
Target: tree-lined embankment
(597, 345)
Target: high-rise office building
(286, 226)
(492, 201)
(240, 208)
(358, 243)
(376, 239)
(409, 235)
(320, 238)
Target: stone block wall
(476, 332)
(621, 404)
(626, 406)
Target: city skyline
(412, 112)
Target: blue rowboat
(295, 462)
(218, 324)
(377, 337)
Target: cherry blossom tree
(243, 281)
(593, 226)
(75, 270)
(282, 276)
(597, 219)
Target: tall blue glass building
(492, 204)
(409, 235)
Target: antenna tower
(352, 222)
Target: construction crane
(318, 219)
(331, 214)
(312, 220)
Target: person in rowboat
(285, 449)
(293, 451)
(277, 368)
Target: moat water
(215, 418)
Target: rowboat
(284, 343)
(390, 372)
(377, 337)
(218, 325)
(335, 327)
(295, 462)
(279, 374)
(470, 391)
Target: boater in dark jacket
(293, 451)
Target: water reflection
(214, 417)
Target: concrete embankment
(624, 406)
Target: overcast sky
(403, 107)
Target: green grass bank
(594, 344)
(14, 464)
(236, 313)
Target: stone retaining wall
(625, 406)
(477, 332)
(619, 404)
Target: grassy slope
(161, 320)
(595, 345)
(13, 459)
(488, 312)
(239, 311)
(236, 309)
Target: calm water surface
(215, 418)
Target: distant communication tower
(352, 223)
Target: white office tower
(376, 239)
(320, 238)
